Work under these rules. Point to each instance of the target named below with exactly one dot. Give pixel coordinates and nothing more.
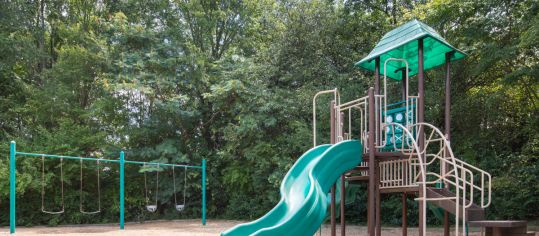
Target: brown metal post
(377, 197)
(343, 199)
(448, 95)
(342, 186)
(333, 223)
(404, 206)
(368, 205)
(447, 127)
(420, 119)
(420, 84)
(404, 216)
(403, 82)
(372, 179)
(374, 163)
(332, 140)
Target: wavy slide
(304, 199)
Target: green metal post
(122, 165)
(204, 192)
(12, 185)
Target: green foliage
(232, 82)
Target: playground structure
(121, 162)
(403, 153)
(398, 151)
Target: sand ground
(184, 228)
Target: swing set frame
(13, 169)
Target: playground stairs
(503, 227)
(475, 215)
(449, 204)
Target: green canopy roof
(402, 43)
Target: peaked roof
(401, 42)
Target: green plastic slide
(304, 198)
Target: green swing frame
(13, 153)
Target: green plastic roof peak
(402, 42)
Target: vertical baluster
(385, 172)
(395, 178)
(384, 169)
(392, 173)
(387, 177)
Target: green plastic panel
(396, 113)
(402, 42)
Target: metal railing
(337, 99)
(482, 182)
(361, 105)
(399, 173)
(437, 165)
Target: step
(360, 168)
(473, 213)
(357, 170)
(400, 189)
(498, 223)
(357, 178)
(503, 227)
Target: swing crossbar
(103, 160)
(65, 157)
(12, 178)
(161, 164)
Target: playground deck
(187, 228)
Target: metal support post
(122, 189)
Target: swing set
(149, 207)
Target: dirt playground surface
(184, 228)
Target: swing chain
(145, 184)
(43, 186)
(184, 183)
(184, 187)
(174, 186)
(148, 206)
(157, 184)
(98, 191)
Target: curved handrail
(421, 166)
(459, 181)
(464, 166)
